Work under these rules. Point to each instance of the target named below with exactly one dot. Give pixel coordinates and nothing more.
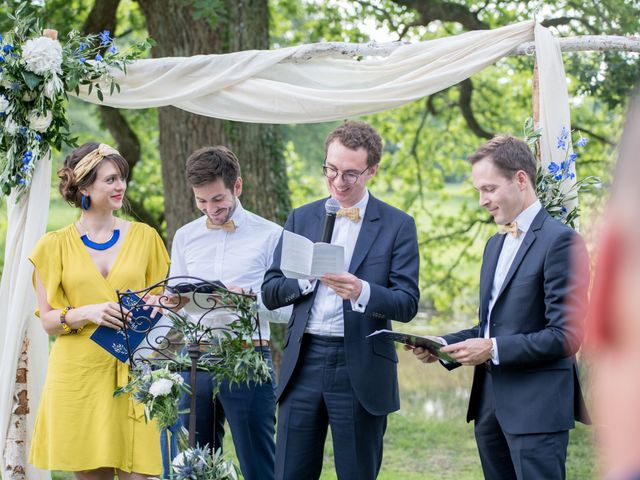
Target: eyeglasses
(349, 177)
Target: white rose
(178, 461)
(161, 387)
(4, 104)
(10, 126)
(42, 55)
(40, 123)
(177, 379)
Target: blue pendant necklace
(115, 235)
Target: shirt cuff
(306, 286)
(494, 352)
(360, 304)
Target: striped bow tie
(510, 228)
(352, 213)
(228, 226)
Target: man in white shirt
(235, 247)
(332, 374)
(526, 393)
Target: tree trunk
(243, 25)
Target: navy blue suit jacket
(385, 255)
(537, 321)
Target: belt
(324, 338)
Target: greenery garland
(36, 74)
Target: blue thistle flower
(98, 58)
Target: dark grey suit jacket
(537, 321)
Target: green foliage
(36, 76)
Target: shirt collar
(525, 218)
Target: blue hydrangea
(105, 37)
(26, 157)
(558, 177)
(571, 175)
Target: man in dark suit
(331, 373)
(525, 394)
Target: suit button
(493, 324)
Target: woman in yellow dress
(80, 426)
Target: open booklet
(301, 258)
(201, 297)
(427, 342)
(140, 327)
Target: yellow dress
(80, 426)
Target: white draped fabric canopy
(266, 87)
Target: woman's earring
(85, 202)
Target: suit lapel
(488, 271)
(528, 240)
(369, 231)
(315, 231)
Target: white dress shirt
(327, 317)
(510, 247)
(235, 258)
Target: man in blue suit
(525, 394)
(331, 373)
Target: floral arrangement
(225, 352)
(36, 73)
(159, 391)
(200, 464)
(549, 183)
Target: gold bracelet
(63, 321)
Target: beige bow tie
(352, 213)
(510, 228)
(228, 226)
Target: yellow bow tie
(228, 226)
(510, 228)
(352, 213)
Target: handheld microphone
(331, 207)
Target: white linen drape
(27, 220)
(256, 86)
(261, 86)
